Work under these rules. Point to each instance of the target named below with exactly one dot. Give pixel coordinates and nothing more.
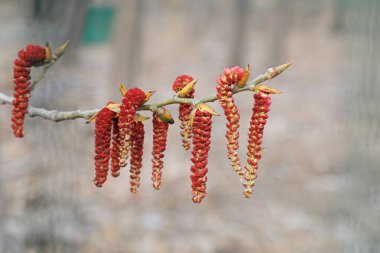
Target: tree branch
(56, 116)
(53, 115)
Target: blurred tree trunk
(129, 41)
(358, 209)
(339, 13)
(58, 20)
(238, 31)
(76, 23)
(136, 42)
(279, 31)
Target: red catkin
(201, 145)
(160, 132)
(116, 148)
(184, 110)
(137, 143)
(35, 56)
(262, 102)
(230, 77)
(103, 127)
(133, 98)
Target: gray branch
(56, 116)
(53, 115)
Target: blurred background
(318, 187)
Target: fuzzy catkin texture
(201, 145)
(35, 56)
(230, 77)
(160, 133)
(116, 148)
(255, 138)
(103, 127)
(137, 145)
(133, 98)
(184, 110)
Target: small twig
(56, 116)
(42, 74)
(54, 58)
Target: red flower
(31, 56)
(226, 82)
(255, 135)
(133, 98)
(103, 126)
(116, 148)
(137, 143)
(201, 146)
(184, 110)
(160, 132)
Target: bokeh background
(318, 188)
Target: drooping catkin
(262, 102)
(32, 56)
(133, 98)
(137, 146)
(202, 125)
(160, 132)
(103, 128)
(231, 77)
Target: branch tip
(61, 50)
(275, 71)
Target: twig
(56, 116)
(54, 58)
(42, 74)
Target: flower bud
(164, 115)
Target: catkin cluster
(125, 134)
(231, 78)
(119, 130)
(132, 99)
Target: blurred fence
(317, 189)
